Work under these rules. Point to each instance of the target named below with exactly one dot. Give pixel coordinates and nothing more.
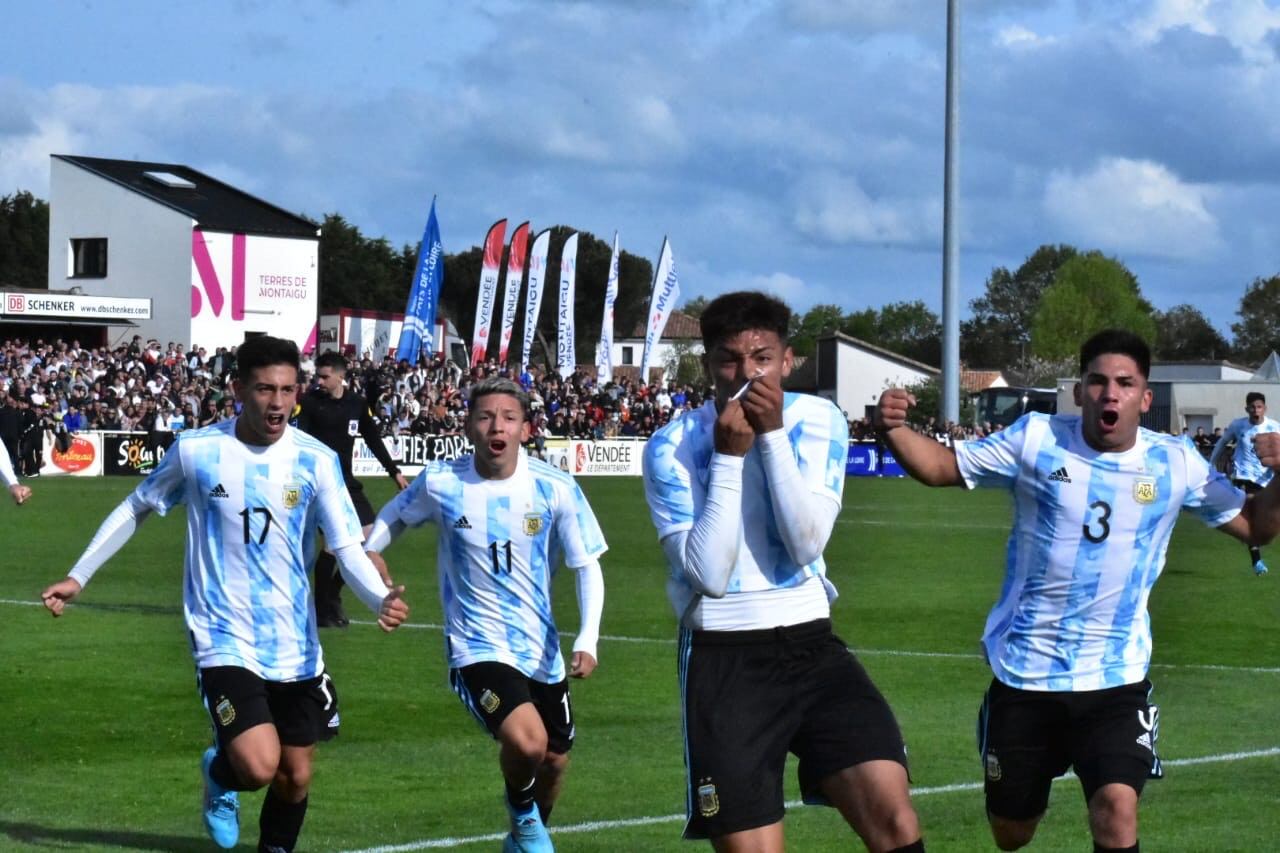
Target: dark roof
(212, 204)
(890, 355)
(679, 326)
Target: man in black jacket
(336, 417)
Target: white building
(217, 264)
(682, 334)
(853, 373)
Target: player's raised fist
(394, 610)
(1267, 446)
(891, 411)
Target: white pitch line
(902, 653)
(626, 823)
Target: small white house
(682, 332)
(217, 264)
(852, 373)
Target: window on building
(627, 357)
(89, 257)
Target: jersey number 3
(1097, 527)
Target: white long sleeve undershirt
(805, 518)
(359, 572)
(707, 552)
(115, 530)
(590, 585)
(7, 476)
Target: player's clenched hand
(56, 597)
(734, 434)
(762, 404)
(1267, 446)
(20, 493)
(583, 665)
(394, 610)
(891, 411)
(381, 565)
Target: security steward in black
(336, 417)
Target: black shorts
(752, 696)
(1026, 738)
(364, 509)
(1249, 487)
(303, 712)
(491, 691)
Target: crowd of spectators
(59, 387)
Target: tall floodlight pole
(950, 241)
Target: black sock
(520, 799)
(279, 823)
(545, 814)
(1255, 554)
(917, 847)
(1098, 848)
(225, 775)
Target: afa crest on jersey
(292, 495)
(708, 800)
(532, 524)
(1144, 490)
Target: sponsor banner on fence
(134, 454)
(557, 452)
(82, 459)
(606, 458)
(410, 452)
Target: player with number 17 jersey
(500, 543)
(246, 597)
(1089, 537)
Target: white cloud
(1133, 206)
(1247, 24)
(835, 209)
(1018, 37)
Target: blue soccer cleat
(528, 835)
(1259, 568)
(221, 806)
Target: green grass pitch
(101, 729)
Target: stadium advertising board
(556, 451)
(133, 454)
(410, 452)
(606, 458)
(76, 305)
(82, 459)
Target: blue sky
(793, 145)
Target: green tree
(928, 394)
(24, 241)
(998, 333)
(362, 272)
(813, 324)
(1184, 334)
(695, 306)
(684, 364)
(910, 329)
(1091, 292)
(1258, 332)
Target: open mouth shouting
(1108, 420)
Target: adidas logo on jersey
(218, 492)
(462, 524)
(1060, 476)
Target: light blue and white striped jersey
(500, 543)
(1245, 464)
(252, 515)
(1090, 532)
(677, 461)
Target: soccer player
(1069, 640)
(503, 519)
(17, 491)
(744, 492)
(336, 418)
(1248, 471)
(256, 489)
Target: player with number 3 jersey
(1069, 639)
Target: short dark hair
(1253, 396)
(1119, 342)
(264, 351)
(333, 360)
(498, 385)
(741, 311)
